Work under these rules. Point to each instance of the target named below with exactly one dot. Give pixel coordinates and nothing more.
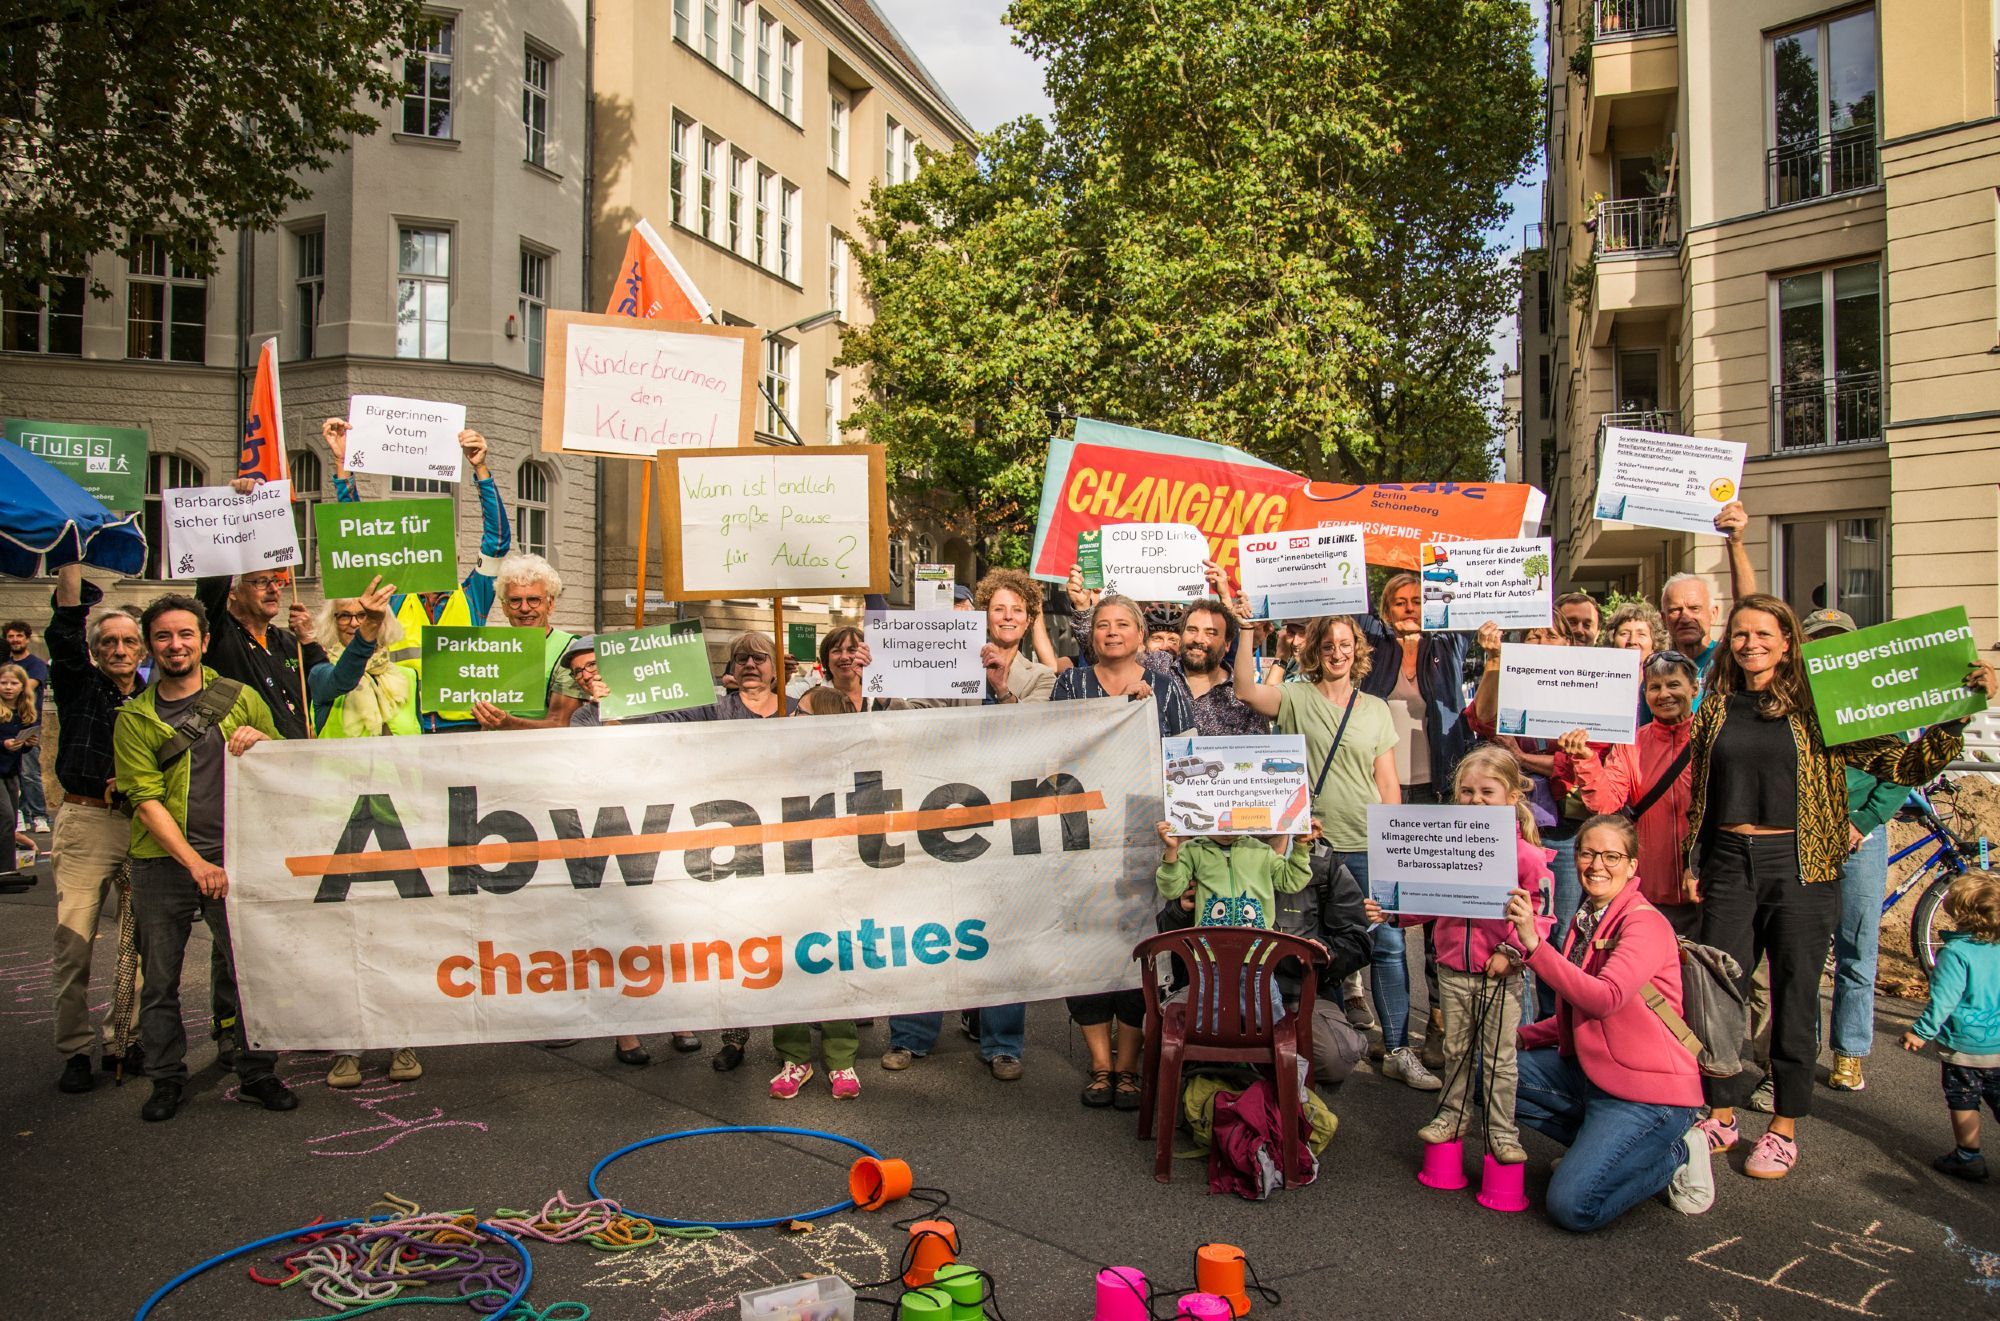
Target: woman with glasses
(1767, 837)
(1604, 1075)
(1648, 779)
(844, 660)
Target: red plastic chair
(1232, 971)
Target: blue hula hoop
(667, 1223)
(527, 1262)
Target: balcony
(1812, 168)
(1641, 419)
(1638, 226)
(1634, 67)
(1826, 414)
(1632, 18)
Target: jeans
(10, 801)
(1388, 961)
(1862, 886)
(30, 801)
(1565, 900)
(1002, 1030)
(165, 904)
(1620, 1152)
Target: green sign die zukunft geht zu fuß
(1090, 558)
(411, 543)
(1894, 677)
(109, 463)
(503, 666)
(654, 669)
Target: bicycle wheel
(1928, 923)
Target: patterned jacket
(1822, 825)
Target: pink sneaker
(1721, 1137)
(790, 1080)
(846, 1084)
(1772, 1157)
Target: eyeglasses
(1668, 658)
(1584, 857)
(349, 616)
(267, 582)
(752, 659)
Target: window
(535, 106)
(767, 37)
(1834, 563)
(310, 286)
(1638, 380)
(899, 554)
(739, 40)
(788, 228)
(1546, 384)
(1827, 379)
(419, 486)
(307, 492)
(836, 272)
(832, 407)
(164, 472)
(166, 310)
(1824, 108)
(531, 509)
(909, 156)
(780, 364)
(788, 79)
(761, 226)
(711, 31)
(711, 152)
(534, 304)
(836, 133)
(677, 171)
(53, 325)
(427, 69)
(739, 165)
(892, 151)
(680, 20)
(423, 293)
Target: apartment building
(749, 132)
(1774, 221)
(423, 264)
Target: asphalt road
(105, 1208)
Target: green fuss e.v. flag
(1894, 677)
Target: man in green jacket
(169, 744)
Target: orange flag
(264, 429)
(652, 286)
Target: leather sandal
(1127, 1094)
(1097, 1095)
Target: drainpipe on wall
(589, 201)
(243, 273)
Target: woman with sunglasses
(1648, 779)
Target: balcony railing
(1641, 419)
(1633, 18)
(1826, 414)
(1840, 162)
(1632, 225)
(1531, 236)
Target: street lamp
(801, 326)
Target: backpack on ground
(1715, 1015)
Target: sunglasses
(1669, 659)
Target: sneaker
(1438, 1130)
(846, 1084)
(1970, 1166)
(1433, 1056)
(790, 1080)
(164, 1103)
(1692, 1189)
(968, 1024)
(403, 1066)
(1506, 1151)
(1721, 1136)
(346, 1071)
(1403, 1065)
(1359, 1016)
(1772, 1157)
(1764, 1100)
(269, 1093)
(897, 1059)
(1005, 1068)
(1845, 1076)
(76, 1075)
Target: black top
(1753, 772)
(203, 828)
(86, 700)
(269, 668)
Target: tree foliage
(181, 118)
(1259, 223)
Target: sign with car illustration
(1253, 785)
(1467, 583)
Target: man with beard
(1208, 649)
(1684, 598)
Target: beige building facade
(423, 264)
(1774, 222)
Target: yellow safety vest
(404, 721)
(410, 651)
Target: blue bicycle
(1952, 857)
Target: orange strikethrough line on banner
(779, 832)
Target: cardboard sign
(632, 388)
(1090, 558)
(1155, 561)
(109, 463)
(802, 642)
(404, 437)
(1467, 583)
(1248, 785)
(1545, 692)
(654, 669)
(211, 529)
(502, 666)
(1441, 861)
(1658, 480)
(760, 522)
(931, 589)
(411, 543)
(924, 653)
(1894, 677)
(1304, 574)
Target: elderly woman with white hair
(529, 588)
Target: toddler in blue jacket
(1963, 1017)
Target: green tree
(1536, 566)
(181, 118)
(1259, 223)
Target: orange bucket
(1218, 1269)
(933, 1243)
(873, 1183)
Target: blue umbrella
(47, 521)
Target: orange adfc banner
(263, 452)
(651, 284)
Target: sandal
(728, 1058)
(1128, 1094)
(1098, 1094)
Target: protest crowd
(1728, 831)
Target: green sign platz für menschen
(1893, 677)
(410, 543)
(654, 669)
(506, 667)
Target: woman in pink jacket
(1650, 773)
(1605, 1076)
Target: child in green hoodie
(1234, 881)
